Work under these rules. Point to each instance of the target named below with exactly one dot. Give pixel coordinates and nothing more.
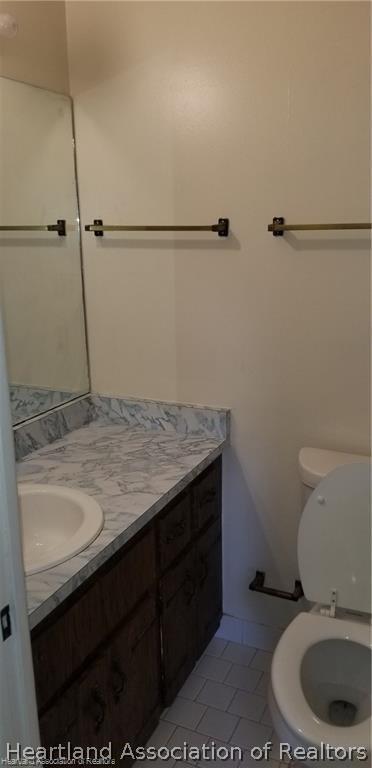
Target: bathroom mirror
(41, 287)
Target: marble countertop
(132, 472)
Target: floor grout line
(201, 690)
(225, 709)
(199, 721)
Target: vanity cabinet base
(111, 657)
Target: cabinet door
(174, 530)
(178, 597)
(61, 648)
(81, 716)
(59, 725)
(133, 678)
(209, 580)
(206, 495)
(94, 723)
(117, 699)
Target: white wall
(190, 111)
(38, 54)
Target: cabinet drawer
(117, 695)
(178, 590)
(62, 647)
(60, 723)
(209, 574)
(207, 497)
(120, 691)
(126, 583)
(174, 530)
(134, 682)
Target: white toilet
(320, 692)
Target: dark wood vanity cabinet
(174, 530)
(118, 695)
(97, 662)
(209, 585)
(178, 624)
(190, 586)
(108, 660)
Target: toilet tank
(316, 463)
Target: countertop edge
(51, 603)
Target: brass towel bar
(60, 228)
(278, 227)
(98, 227)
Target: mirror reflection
(41, 290)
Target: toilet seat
(334, 540)
(305, 631)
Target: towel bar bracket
(278, 232)
(258, 585)
(222, 227)
(60, 227)
(98, 223)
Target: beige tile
(216, 646)
(185, 713)
(219, 760)
(250, 762)
(263, 684)
(249, 734)
(156, 763)
(248, 705)
(230, 629)
(266, 718)
(182, 764)
(275, 752)
(238, 653)
(262, 661)
(217, 695)
(161, 734)
(213, 669)
(242, 677)
(261, 636)
(183, 737)
(218, 724)
(192, 687)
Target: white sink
(57, 523)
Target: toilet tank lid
(316, 463)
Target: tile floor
(224, 700)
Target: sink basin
(57, 523)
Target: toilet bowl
(320, 687)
